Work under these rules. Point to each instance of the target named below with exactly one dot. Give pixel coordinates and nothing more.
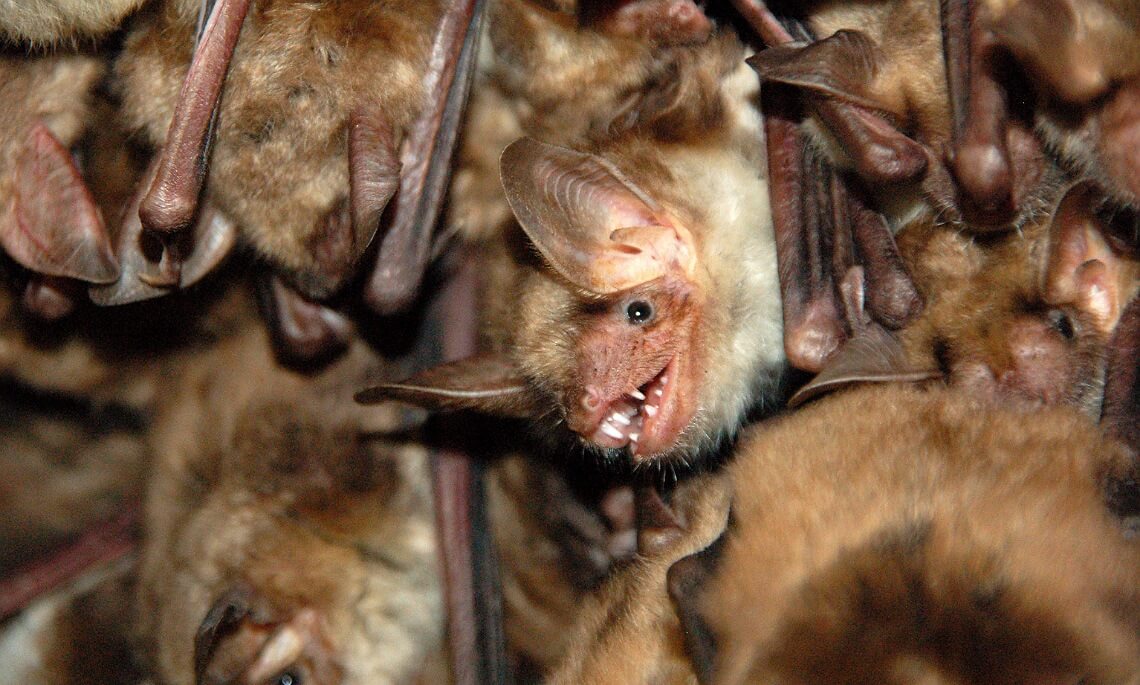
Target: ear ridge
(1082, 268)
(593, 225)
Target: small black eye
(1062, 323)
(288, 678)
(639, 312)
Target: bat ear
(591, 224)
(303, 331)
(872, 355)
(241, 641)
(486, 383)
(224, 616)
(686, 580)
(53, 226)
(842, 65)
(1083, 269)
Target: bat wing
(426, 161)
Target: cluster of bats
(809, 332)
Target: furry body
(267, 487)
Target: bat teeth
(637, 395)
(634, 436)
(659, 391)
(620, 418)
(612, 430)
(650, 410)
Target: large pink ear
(52, 225)
(1083, 269)
(591, 224)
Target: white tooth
(664, 380)
(620, 418)
(650, 410)
(612, 431)
(659, 392)
(637, 395)
(634, 436)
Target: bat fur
(284, 534)
(301, 72)
(685, 145)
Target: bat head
(303, 530)
(629, 327)
(1059, 292)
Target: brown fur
(80, 633)
(937, 539)
(999, 320)
(685, 141)
(1082, 60)
(280, 164)
(55, 21)
(628, 632)
(553, 550)
(271, 488)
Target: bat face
(308, 148)
(291, 541)
(651, 320)
(652, 313)
(954, 571)
(1028, 317)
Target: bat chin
(648, 421)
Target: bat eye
(288, 678)
(1061, 322)
(639, 312)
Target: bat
(1080, 59)
(301, 150)
(292, 539)
(1027, 317)
(666, 306)
(50, 224)
(964, 541)
(628, 631)
(48, 22)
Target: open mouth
(637, 419)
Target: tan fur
(688, 134)
(54, 21)
(273, 481)
(981, 297)
(933, 540)
(544, 584)
(628, 632)
(75, 635)
(280, 162)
